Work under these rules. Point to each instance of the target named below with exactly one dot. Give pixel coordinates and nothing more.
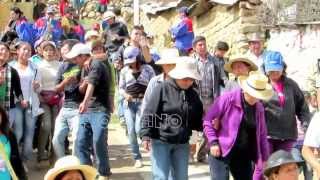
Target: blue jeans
(24, 125)
(132, 115)
(67, 120)
(93, 127)
(167, 157)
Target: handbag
(50, 97)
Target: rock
(250, 28)
(257, 2)
(90, 7)
(249, 19)
(247, 5)
(247, 12)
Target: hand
(128, 97)
(86, 65)
(24, 103)
(215, 150)
(70, 80)
(146, 145)
(83, 107)
(35, 85)
(143, 42)
(313, 101)
(216, 124)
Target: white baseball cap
(77, 50)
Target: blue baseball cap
(273, 61)
(130, 54)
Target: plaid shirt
(7, 73)
(205, 86)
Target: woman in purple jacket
(241, 138)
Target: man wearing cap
(115, 32)
(94, 109)
(182, 32)
(255, 51)
(212, 80)
(219, 52)
(241, 139)
(48, 27)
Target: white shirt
(256, 60)
(312, 138)
(48, 71)
(26, 77)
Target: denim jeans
(46, 129)
(93, 127)
(167, 157)
(24, 125)
(240, 166)
(132, 115)
(67, 120)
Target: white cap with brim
(168, 56)
(239, 58)
(185, 68)
(256, 85)
(91, 33)
(77, 50)
(69, 163)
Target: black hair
(4, 125)
(17, 11)
(117, 11)
(70, 42)
(61, 175)
(198, 39)
(138, 27)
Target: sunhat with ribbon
(239, 58)
(256, 85)
(70, 163)
(168, 56)
(185, 68)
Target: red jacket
(63, 4)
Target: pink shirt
(279, 88)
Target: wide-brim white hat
(77, 50)
(168, 56)
(239, 58)
(90, 34)
(185, 68)
(256, 85)
(69, 163)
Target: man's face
(220, 53)
(255, 47)
(135, 35)
(201, 47)
(79, 60)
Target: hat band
(257, 89)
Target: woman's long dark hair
(4, 122)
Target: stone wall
(220, 23)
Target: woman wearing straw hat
(69, 167)
(172, 112)
(242, 136)
(238, 65)
(281, 165)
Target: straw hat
(239, 58)
(185, 68)
(168, 56)
(256, 84)
(108, 15)
(255, 37)
(69, 163)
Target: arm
(302, 109)
(15, 82)
(145, 50)
(263, 135)
(85, 103)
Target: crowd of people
(243, 116)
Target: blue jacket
(25, 31)
(182, 36)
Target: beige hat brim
(88, 171)
(228, 65)
(166, 61)
(259, 94)
(181, 74)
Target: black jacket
(171, 114)
(281, 121)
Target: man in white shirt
(256, 49)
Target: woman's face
(72, 175)
(13, 15)
(287, 172)
(24, 52)
(4, 54)
(240, 69)
(64, 50)
(49, 53)
(275, 75)
(250, 99)
(185, 83)
(98, 50)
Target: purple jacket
(228, 109)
